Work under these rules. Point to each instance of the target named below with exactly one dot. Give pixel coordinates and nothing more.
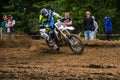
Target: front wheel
(75, 44)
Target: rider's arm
(57, 16)
(40, 19)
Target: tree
(26, 12)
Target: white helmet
(44, 12)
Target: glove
(60, 17)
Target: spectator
(108, 28)
(88, 26)
(10, 26)
(67, 22)
(96, 27)
(3, 26)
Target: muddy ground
(99, 61)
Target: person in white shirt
(10, 25)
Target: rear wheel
(75, 44)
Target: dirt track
(99, 61)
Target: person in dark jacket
(108, 27)
(88, 26)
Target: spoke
(75, 44)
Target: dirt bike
(62, 37)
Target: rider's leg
(42, 30)
(51, 34)
(51, 24)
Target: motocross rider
(47, 19)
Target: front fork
(65, 33)
(62, 36)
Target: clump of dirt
(16, 42)
(101, 43)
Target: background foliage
(26, 12)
